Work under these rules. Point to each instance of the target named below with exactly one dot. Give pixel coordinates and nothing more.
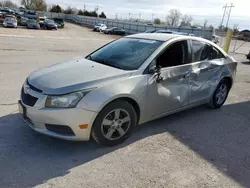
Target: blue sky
(200, 10)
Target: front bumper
(10, 25)
(39, 117)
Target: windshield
(50, 21)
(31, 13)
(58, 20)
(125, 53)
(10, 19)
(32, 21)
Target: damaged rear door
(204, 73)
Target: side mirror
(157, 71)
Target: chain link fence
(237, 46)
(129, 27)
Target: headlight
(65, 101)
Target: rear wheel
(220, 94)
(114, 123)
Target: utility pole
(139, 16)
(152, 17)
(84, 9)
(97, 9)
(116, 16)
(129, 16)
(227, 12)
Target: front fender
(134, 87)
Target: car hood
(73, 76)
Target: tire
(110, 134)
(215, 102)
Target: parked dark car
(150, 31)
(5, 10)
(30, 14)
(59, 22)
(49, 24)
(32, 24)
(115, 31)
(164, 31)
(248, 56)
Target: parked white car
(99, 27)
(10, 22)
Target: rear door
(201, 75)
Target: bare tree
(173, 18)
(205, 24)
(34, 4)
(186, 21)
(8, 3)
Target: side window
(201, 51)
(216, 54)
(176, 54)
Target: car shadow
(220, 136)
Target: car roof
(164, 36)
(154, 36)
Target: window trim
(224, 57)
(164, 49)
(211, 45)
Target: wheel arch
(128, 99)
(229, 80)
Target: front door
(172, 91)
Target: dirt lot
(197, 148)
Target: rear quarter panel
(221, 69)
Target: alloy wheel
(116, 124)
(221, 94)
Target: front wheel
(220, 95)
(114, 123)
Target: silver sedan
(125, 83)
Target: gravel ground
(196, 148)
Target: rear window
(203, 51)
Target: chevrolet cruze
(127, 82)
